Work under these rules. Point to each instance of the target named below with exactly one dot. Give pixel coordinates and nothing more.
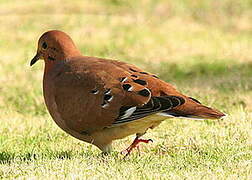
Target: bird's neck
(48, 66)
(65, 55)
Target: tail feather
(192, 109)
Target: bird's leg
(135, 143)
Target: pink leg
(135, 145)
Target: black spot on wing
(94, 91)
(107, 97)
(133, 75)
(141, 82)
(143, 72)
(144, 92)
(122, 79)
(155, 76)
(107, 91)
(126, 87)
(133, 70)
(195, 100)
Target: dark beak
(35, 59)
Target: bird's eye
(44, 45)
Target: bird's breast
(48, 92)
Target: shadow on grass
(7, 157)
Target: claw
(135, 145)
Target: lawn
(204, 48)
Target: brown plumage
(100, 100)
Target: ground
(204, 48)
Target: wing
(188, 106)
(93, 93)
(155, 105)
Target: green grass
(202, 47)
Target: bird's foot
(135, 145)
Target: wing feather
(155, 105)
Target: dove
(99, 100)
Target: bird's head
(54, 46)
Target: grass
(202, 47)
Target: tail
(192, 108)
